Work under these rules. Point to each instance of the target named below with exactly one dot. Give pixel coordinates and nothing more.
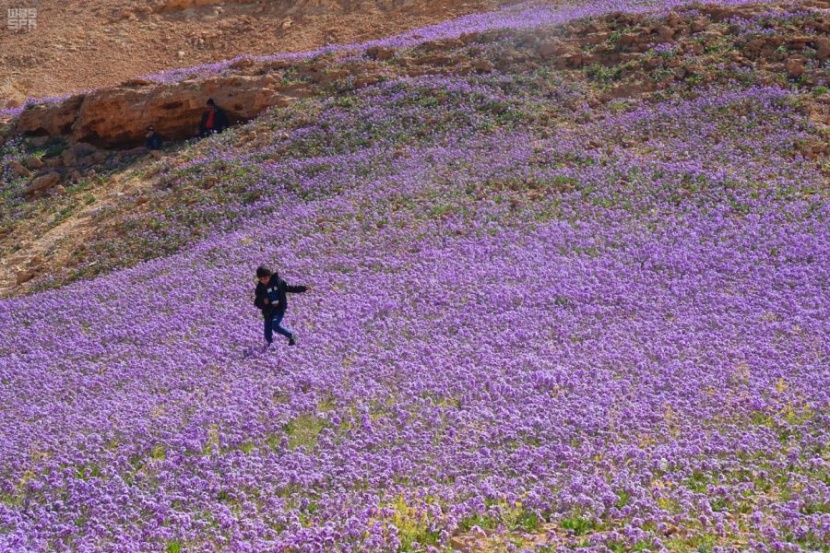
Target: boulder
(33, 162)
(665, 33)
(822, 48)
(19, 169)
(118, 117)
(23, 277)
(795, 67)
(42, 183)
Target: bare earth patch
(86, 45)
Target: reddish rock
(34, 162)
(42, 183)
(50, 119)
(19, 170)
(118, 117)
(23, 277)
(795, 67)
(822, 48)
(665, 33)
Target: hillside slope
(607, 62)
(86, 45)
(545, 315)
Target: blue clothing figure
(271, 299)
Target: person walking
(271, 299)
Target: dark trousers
(272, 323)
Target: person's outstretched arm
(295, 289)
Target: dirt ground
(69, 45)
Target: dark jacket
(154, 142)
(275, 291)
(220, 122)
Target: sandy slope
(79, 44)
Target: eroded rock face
(50, 120)
(118, 117)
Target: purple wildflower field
(612, 338)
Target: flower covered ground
(608, 336)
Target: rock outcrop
(118, 117)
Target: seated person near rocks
(153, 139)
(214, 119)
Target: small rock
(34, 163)
(24, 277)
(43, 182)
(18, 168)
(665, 33)
(795, 67)
(822, 48)
(180, 54)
